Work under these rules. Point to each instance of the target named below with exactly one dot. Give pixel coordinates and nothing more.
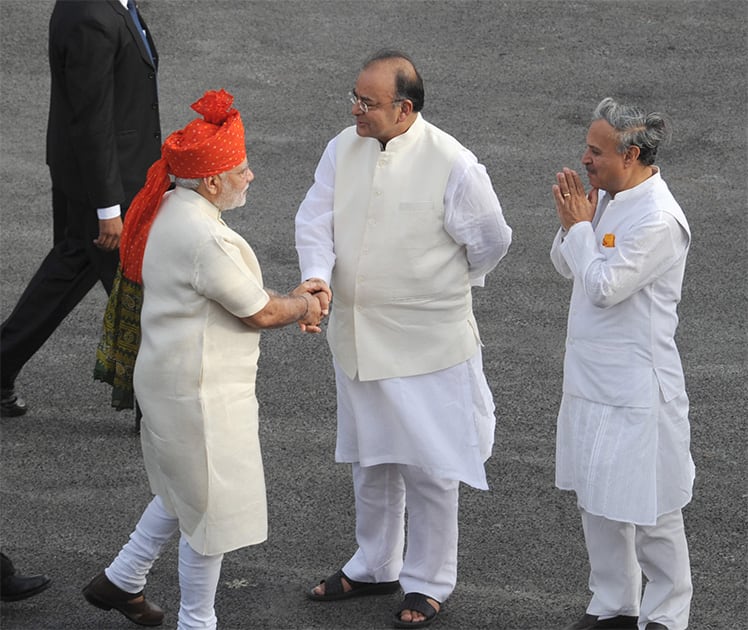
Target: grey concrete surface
(516, 82)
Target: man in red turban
(197, 344)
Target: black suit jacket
(103, 132)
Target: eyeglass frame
(366, 107)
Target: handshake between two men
(308, 304)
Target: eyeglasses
(365, 107)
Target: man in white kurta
(623, 431)
(402, 220)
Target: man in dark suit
(103, 135)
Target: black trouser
(64, 278)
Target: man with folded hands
(623, 433)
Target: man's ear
(210, 187)
(212, 184)
(406, 109)
(631, 155)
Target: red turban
(208, 146)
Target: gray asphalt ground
(516, 82)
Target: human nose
(250, 176)
(357, 105)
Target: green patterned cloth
(118, 348)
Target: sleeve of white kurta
(224, 275)
(314, 221)
(473, 217)
(641, 255)
(557, 258)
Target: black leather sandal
(418, 602)
(334, 588)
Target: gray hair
(190, 184)
(634, 127)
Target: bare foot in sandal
(416, 611)
(413, 616)
(319, 590)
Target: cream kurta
(195, 375)
(623, 432)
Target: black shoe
(10, 404)
(15, 587)
(591, 622)
(655, 626)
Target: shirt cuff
(110, 212)
(316, 272)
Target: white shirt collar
(641, 188)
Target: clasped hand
(318, 297)
(572, 203)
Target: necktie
(135, 18)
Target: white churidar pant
(620, 552)
(430, 562)
(198, 574)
